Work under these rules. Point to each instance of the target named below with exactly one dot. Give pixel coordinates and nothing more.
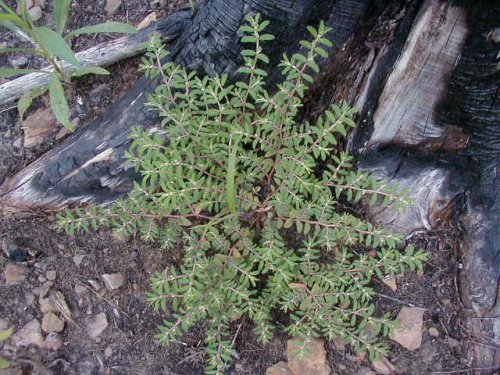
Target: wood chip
(57, 299)
(150, 18)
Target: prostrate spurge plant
(253, 196)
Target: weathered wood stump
(424, 76)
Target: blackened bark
(425, 77)
(88, 166)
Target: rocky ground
(76, 305)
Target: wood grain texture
(406, 112)
(435, 186)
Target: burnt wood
(424, 76)
(103, 54)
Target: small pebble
(19, 62)
(51, 323)
(433, 332)
(113, 280)
(40, 3)
(96, 325)
(383, 366)
(14, 274)
(46, 306)
(112, 6)
(445, 301)
(30, 334)
(53, 341)
(35, 13)
(108, 352)
(17, 254)
(78, 259)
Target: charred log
(88, 166)
(425, 77)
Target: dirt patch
(127, 344)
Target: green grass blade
(230, 175)
(61, 11)
(90, 70)
(9, 72)
(107, 27)
(58, 101)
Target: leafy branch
(55, 49)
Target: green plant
(255, 199)
(4, 335)
(55, 49)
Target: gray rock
(35, 13)
(19, 62)
(307, 357)
(108, 352)
(96, 325)
(14, 274)
(390, 281)
(409, 333)
(383, 366)
(280, 368)
(113, 281)
(40, 3)
(46, 306)
(51, 323)
(30, 334)
(112, 6)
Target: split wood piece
(103, 54)
(406, 112)
(434, 186)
